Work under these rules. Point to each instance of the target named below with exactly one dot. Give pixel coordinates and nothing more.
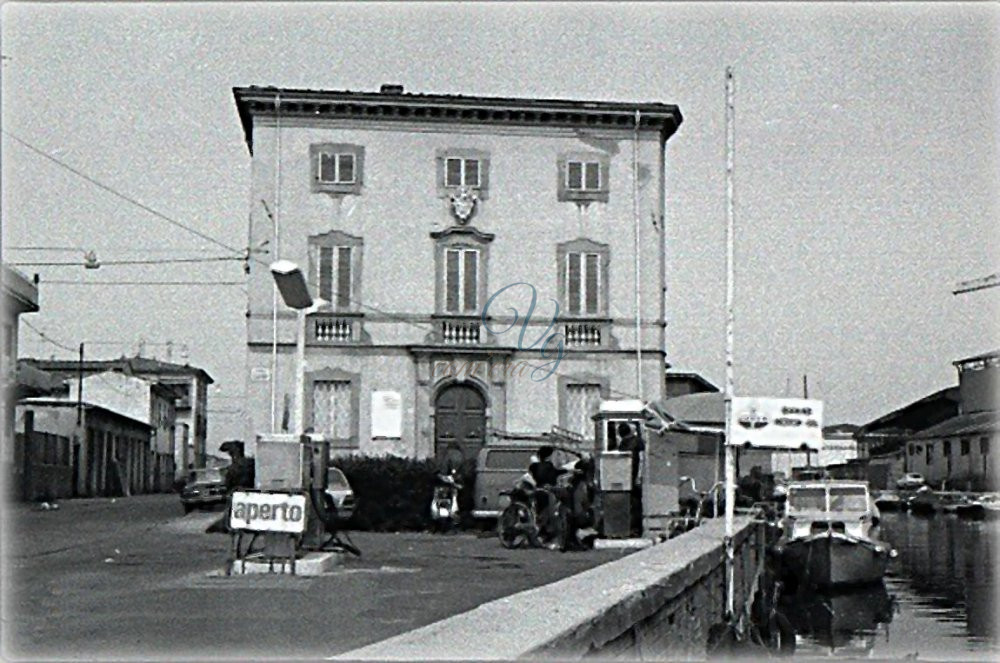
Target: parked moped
(444, 503)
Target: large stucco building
(425, 222)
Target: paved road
(133, 578)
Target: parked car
(910, 481)
(340, 491)
(204, 487)
(498, 467)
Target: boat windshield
(807, 499)
(852, 498)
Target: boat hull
(836, 560)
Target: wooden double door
(459, 425)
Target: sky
(866, 169)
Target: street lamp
(295, 292)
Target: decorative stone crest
(463, 204)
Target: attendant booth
(636, 470)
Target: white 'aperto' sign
(268, 512)
(777, 423)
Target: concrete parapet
(656, 603)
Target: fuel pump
(636, 471)
(297, 465)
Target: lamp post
(295, 292)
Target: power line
(142, 283)
(117, 193)
(46, 337)
(126, 262)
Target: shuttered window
(583, 283)
(461, 280)
(462, 172)
(334, 266)
(335, 167)
(583, 175)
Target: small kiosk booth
(636, 470)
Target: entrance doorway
(459, 425)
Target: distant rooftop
(979, 361)
(392, 102)
(128, 365)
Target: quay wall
(660, 602)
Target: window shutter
(573, 282)
(484, 174)
(593, 264)
(326, 273)
(345, 170)
(471, 282)
(453, 174)
(574, 175)
(451, 280)
(344, 277)
(472, 172)
(593, 182)
(327, 167)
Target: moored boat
(982, 506)
(890, 501)
(829, 537)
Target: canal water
(938, 600)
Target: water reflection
(948, 565)
(845, 623)
(938, 599)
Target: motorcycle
(444, 503)
(537, 517)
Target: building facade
(145, 401)
(108, 458)
(477, 259)
(19, 296)
(189, 385)
(962, 452)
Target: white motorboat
(830, 534)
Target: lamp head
(291, 284)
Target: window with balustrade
(335, 277)
(332, 405)
(462, 255)
(582, 268)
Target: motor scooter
(444, 503)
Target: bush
(394, 494)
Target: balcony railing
(585, 333)
(462, 331)
(333, 328)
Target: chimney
(391, 88)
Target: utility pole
(730, 476)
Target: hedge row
(394, 494)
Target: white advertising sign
(387, 414)
(777, 423)
(268, 512)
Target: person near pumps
(630, 441)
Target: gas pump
(636, 470)
(289, 508)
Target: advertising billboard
(268, 512)
(777, 423)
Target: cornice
(253, 102)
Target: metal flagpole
(730, 476)
(638, 267)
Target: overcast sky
(866, 170)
